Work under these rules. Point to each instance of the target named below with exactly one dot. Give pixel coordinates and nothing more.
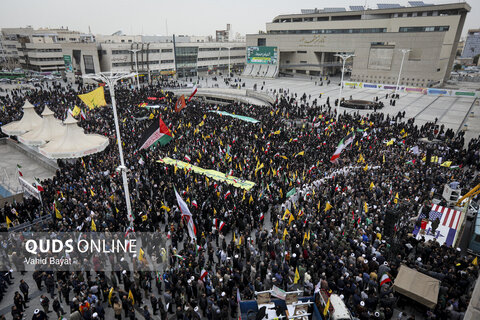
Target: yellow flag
(58, 215)
(94, 99)
(141, 254)
(116, 209)
(446, 164)
(327, 306)
(276, 228)
(403, 130)
(405, 135)
(475, 261)
(389, 142)
(93, 227)
(361, 159)
(304, 238)
(250, 200)
(372, 186)
(76, 111)
(110, 293)
(201, 123)
(234, 238)
(130, 297)
(365, 207)
(284, 233)
(383, 158)
(151, 116)
(290, 219)
(240, 240)
(308, 237)
(365, 168)
(281, 193)
(164, 207)
(301, 153)
(286, 214)
(9, 222)
(318, 206)
(297, 276)
(91, 192)
(396, 198)
(328, 206)
(144, 217)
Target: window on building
(167, 50)
(166, 61)
(261, 42)
(300, 51)
(89, 65)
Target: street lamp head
(109, 77)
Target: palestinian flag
(180, 104)
(156, 133)
(193, 93)
(384, 279)
(18, 169)
(342, 145)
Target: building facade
(307, 42)
(472, 44)
(182, 58)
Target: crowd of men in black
(346, 252)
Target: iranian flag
(227, 194)
(187, 158)
(192, 231)
(39, 186)
(342, 145)
(203, 274)
(262, 216)
(215, 222)
(18, 169)
(156, 133)
(384, 279)
(194, 91)
(194, 203)
(82, 114)
(222, 224)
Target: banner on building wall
(262, 55)
(67, 59)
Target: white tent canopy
(50, 129)
(74, 143)
(30, 121)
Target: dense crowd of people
(333, 234)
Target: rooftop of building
(381, 9)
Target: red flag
(180, 104)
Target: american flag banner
(449, 222)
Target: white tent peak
(47, 112)
(74, 143)
(30, 121)
(70, 119)
(51, 127)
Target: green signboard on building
(262, 55)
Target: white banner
(28, 188)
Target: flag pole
(111, 79)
